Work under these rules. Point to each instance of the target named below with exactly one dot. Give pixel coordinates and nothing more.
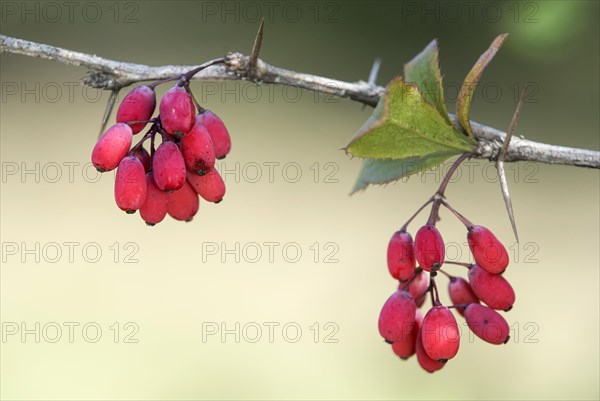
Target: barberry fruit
(461, 293)
(401, 256)
(168, 167)
(144, 157)
(177, 112)
(405, 347)
(418, 287)
(218, 133)
(209, 186)
(138, 105)
(429, 248)
(491, 289)
(154, 209)
(112, 146)
(397, 315)
(130, 184)
(184, 203)
(440, 334)
(487, 324)
(198, 150)
(488, 252)
(425, 361)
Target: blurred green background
(174, 290)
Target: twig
(113, 75)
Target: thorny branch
(114, 75)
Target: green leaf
(424, 71)
(384, 171)
(463, 102)
(404, 125)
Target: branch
(113, 75)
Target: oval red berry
(487, 250)
(401, 256)
(429, 248)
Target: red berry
(488, 252)
(209, 186)
(198, 151)
(487, 324)
(112, 146)
(401, 256)
(492, 289)
(138, 105)
(418, 287)
(397, 316)
(405, 347)
(154, 209)
(183, 204)
(217, 131)
(461, 293)
(130, 184)
(168, 167)
(144, 157)
(429, 248)
(428, 364)
(440, 335)
(177, 113)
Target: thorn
(109, 106)
(374, 71)
(257, 45)
(373, 74)
(500, 167)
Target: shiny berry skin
(198, 151)
(218, 133)
(209, 186)
(491, 289)
(428, 364)
(401, 256)
(489, 253)
(461, 293)
(440, 334)
(487, 324)
(177, 113)
(418, 287)
(112, 146)
(405, 347)
(130, 184)
(183, 204)
(397, 316)
(138, 105)
(154, 209)
(429, 248)
(168, 167)
(144, 157)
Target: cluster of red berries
(435, 337)
(170, 178)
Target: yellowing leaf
(405, 125)
(463, 102)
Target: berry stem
(200, 109)
(147, 135)
(414, 276)
(433, 286)
(450, 277)
(190, 74)
(405, 226)
(442, 189)
(163, 81)
(435, 210)
(459, 216)
(467, 265)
